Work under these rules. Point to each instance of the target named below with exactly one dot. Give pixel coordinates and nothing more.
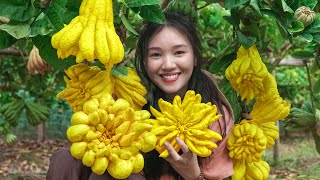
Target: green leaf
(308, 37)
(316, 38)
(220, 65)
(40, 27)
(246, 41)
(310, 3)
(285, 7)
(48, 53)
(120, 71)
(302, 54)
(274, 15)
(136, 9)
(6, 40)
(316, 88)
(255, 7)
(73, 5)
(55, 13)
(19, 10)
(230, 4)
(131, 41)
(296, 26)
(152, 13)
(314, 27)
(18, 31)
(140, 3)
(128, 25)
(61, 3)
(234, 19)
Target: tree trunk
(41, 132)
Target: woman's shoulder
(214, 78)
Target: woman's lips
(170, 77)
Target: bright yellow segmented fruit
(109, 135)
(250, 170)
(85, 83)
(130, 88)
(246, 142)
(91, 35)
(189, 120)
(270, 110)
(246, 73)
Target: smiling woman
(168, 58)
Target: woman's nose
(168, 63)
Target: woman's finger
(182, 145)
(172, 153)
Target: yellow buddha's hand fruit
(91, 35)
(250, 170)
(189, 120)
(137, 162)
(130, 88)
(246, 73)
(85, 83)
(77, 132)
(246, 142)
(78, 149)
(100, 165)
(108, 134)
(119, 168)
(271, 109)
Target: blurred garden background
(289, 47)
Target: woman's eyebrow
(176, 46)
(180, 45)
(154, 48)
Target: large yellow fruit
(246, 73)
(189, 120)
(85, 83)
(91, 35)
(109, 134)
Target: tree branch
(12, 52)
(291, 62)
(164, 3)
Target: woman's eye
(179, 52)
(155, 55)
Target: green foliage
(292, 84)
(17, 85)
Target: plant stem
(310, 89)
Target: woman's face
(170, 62)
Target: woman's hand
(185, 164)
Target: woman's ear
(195, 62)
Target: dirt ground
(28, 160)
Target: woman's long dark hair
(199, 82)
